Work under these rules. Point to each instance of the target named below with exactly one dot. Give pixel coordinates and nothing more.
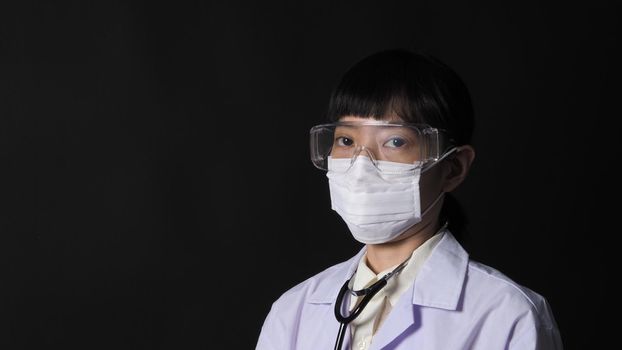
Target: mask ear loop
(438, 198)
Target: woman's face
(431, 181)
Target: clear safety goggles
(406, 143)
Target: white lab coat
(454, 303)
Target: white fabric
(373, 315)
(377, 206)
(454, 304)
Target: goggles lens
(414, 144)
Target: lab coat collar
(328, 288)
(441, 278)
(439, 283)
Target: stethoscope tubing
(367, 294)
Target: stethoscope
(367, 294)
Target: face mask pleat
(378, 201)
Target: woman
(397, 145)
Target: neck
(383, 256)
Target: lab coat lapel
(398, 321)
(326, 290)
(439, 284)
(325, 295)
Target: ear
(457, 167)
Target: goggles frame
(434, 141)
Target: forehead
(359, 127)
(357, 119)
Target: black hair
(416, 87)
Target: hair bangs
(375, 103)
(412, 86)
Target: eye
(344, 141)
(395, 142)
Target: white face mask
(376, 206)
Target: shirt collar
(397, 284)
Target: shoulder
(493, 283)
(316, 288)
(527, 311)
(288, 313)
(320, 288)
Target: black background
(156, 190)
